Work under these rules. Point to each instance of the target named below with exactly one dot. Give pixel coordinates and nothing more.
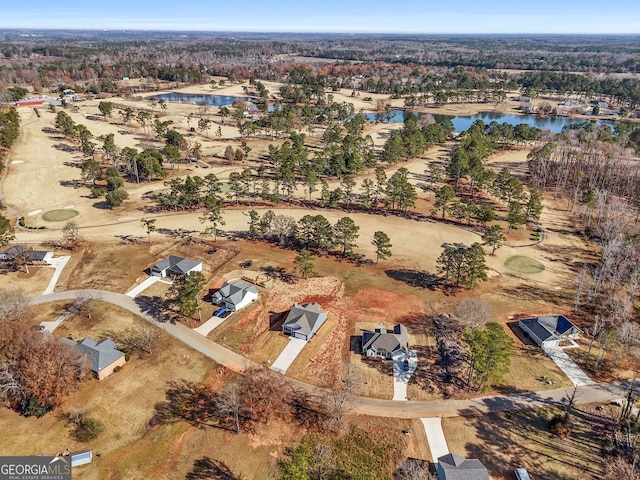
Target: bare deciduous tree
(141, 337)
(13, 304)
(473, 312)
(413, 469)
(71, 235)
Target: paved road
(359, 405)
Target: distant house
(103, 356)
(173, 266)
(303, 321)
(18, 252)
(234, 296)
(385, 343)
(550, 330)
(455, 467)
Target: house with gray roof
(303, 321)
(550, 330)
(234, 296)
(103, 356)
(385, 343)
(18, 252)
(173, 266)
(455, 467)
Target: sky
(344, 16)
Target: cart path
(357, 405)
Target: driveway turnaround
(568, 366)
(142, 286)
(58, 263)
(208, 326)
(401, 374)
(435, 437)
(288, 355)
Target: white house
(550, 330)
(235, 296)
(174, 265)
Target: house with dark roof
(234, 296)
(455, 467)
(18, 252)
(303, 321)
(550, 330)
(173, 266)
(103, 356)
(385, 343)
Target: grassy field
(505, 441)
(31, 284)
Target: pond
(200, 98)
(461, 123)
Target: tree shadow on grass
(154, 306)
(206, 468)
(415, 278)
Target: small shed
(81, 457)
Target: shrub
(559, 426)
(30, 407)
(88, 429)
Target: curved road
(360, 405)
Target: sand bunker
(34, 212)
(16, 162)
(70, 206)
(522, 264)
(59, 215)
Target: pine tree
(304, 263)
(382, 244)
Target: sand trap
(35, 212)
(70, 206)
(16, 162)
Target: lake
(462, 123)
(200, 99)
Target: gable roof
(550, 326)
(383, 340)
(456, 467)
(175, 264)
(16, 251)
(234, 293)
(303, 317)
(100, 354)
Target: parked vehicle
(223, 312)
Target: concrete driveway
(208, 326)
(401, 376)
(51, 326)
(568, 366)
(435, 436)
(58, 263)
(138, 289)
(288, 355)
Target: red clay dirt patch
(393, 304)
